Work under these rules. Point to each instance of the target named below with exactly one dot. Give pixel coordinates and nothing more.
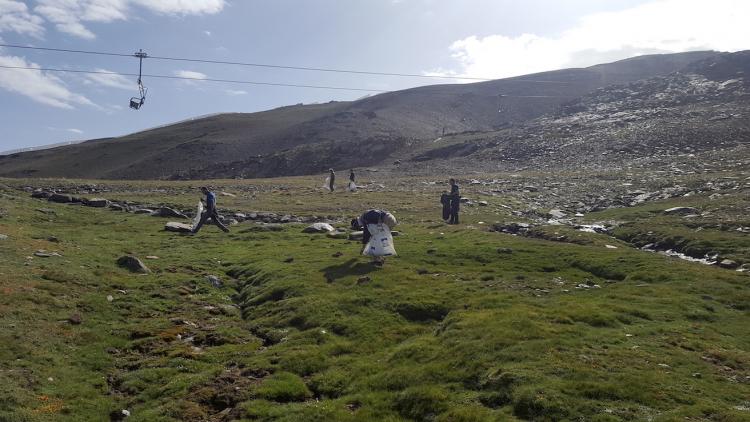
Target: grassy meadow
(464, 325)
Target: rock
(431, 251)
(44, 254)
(39, 194)
(142, 211)
(465, 200)
(729, 264)
(97, 203)
(512, 228)
(505, 250)
(75, 319)
(422, 271)
(60, 198)
(152, 257)
(215, 281)
(337, 254)
(289, 259)
(116, 207)
(338, 235)
(483, 203)
(3, 237)
(555, 213)
(178, 227)
(395, 233)
(363, 280)
(681, 211)
(168, 212)
(356, 235)
(231, 195)
(133, 264)
(318, 228)
(110, 298)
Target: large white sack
(352, 187)
(198, 214)
(381, 241)
(327, 185)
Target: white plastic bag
(381, 241)
(198, 214)
(352, 187)
(327, 185)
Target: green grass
(464, 325)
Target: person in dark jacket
(331, 179)
(351, 175)
(209, 212)
(455, 198)
(445, 200)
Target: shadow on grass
(350, 267)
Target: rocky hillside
(684, 121)
(306, 139)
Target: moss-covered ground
(464, 325)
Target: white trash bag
(381, 241)
(352, 187)
(327, 185)
(198, 214)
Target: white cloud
(40, 86)
(74, 130)
(190, 74)
(15, 17)
(207, 32)
(660, 26)
(235, 92)
(69, 16)
(111, 80)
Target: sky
(466, 38)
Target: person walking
(209, 212)
(455, 201)
(445, 200)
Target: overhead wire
(273, 66)
(97, 72)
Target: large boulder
(168, 212)
(173, 226)
(60, 198)
(133, 264)
(97, 203)
(356, 235)
(318, 228)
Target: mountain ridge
(306, 139)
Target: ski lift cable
(49, 69)
(275, 66)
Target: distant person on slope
(455, 199)
(331, 179)
(445, 200)
(209, 212)
(374, 217)
(352, 185)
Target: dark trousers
(214, 216)
(330, 184)
(446, 211)
(454, 212)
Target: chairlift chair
(137, 102)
